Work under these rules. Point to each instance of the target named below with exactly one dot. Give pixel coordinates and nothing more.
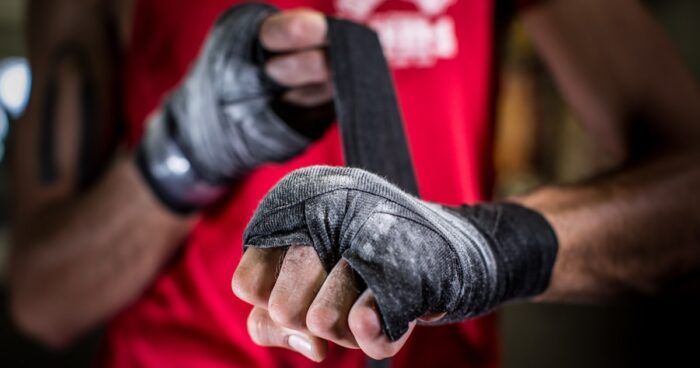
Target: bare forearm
(91, 256)
(631, 234)
(634, 232)
(619, 72)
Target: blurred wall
(11, 38)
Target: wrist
(524, 247)
(169, 171)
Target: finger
(300, 278)
(328, 314)
(310, 96)
(365, 324)
(255, 275)
(298, 69)
(264, 332)
(293, 30)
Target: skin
(628, 234)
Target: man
(66, 279)
(109, 249)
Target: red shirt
(441, 56)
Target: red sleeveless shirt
(441, 56)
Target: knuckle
(240, 288)
(269, 34)
(247, 291)
(300, 257)
(313, 60)
(324, 321)
(285, 316)
(292, 63)
(294, 28)
(293, 69)
(257, 329)
(361, 323)
(288, 69)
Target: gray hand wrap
(415, 256)
(219, 123)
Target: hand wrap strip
(415, 256)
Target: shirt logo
(411, 39)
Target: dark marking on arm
(90, 124)
(48, 169)
(74, 56)
(95, 144)
(101, 133)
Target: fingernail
(301, 345)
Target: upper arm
(618, 71)
(67, 132)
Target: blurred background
(538, 140)
(11, 73)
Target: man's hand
(258, 92)
(417, 259)
(299, 37)
(297, 305)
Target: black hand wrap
(416, 257)
(221, 121)
(224, 119)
